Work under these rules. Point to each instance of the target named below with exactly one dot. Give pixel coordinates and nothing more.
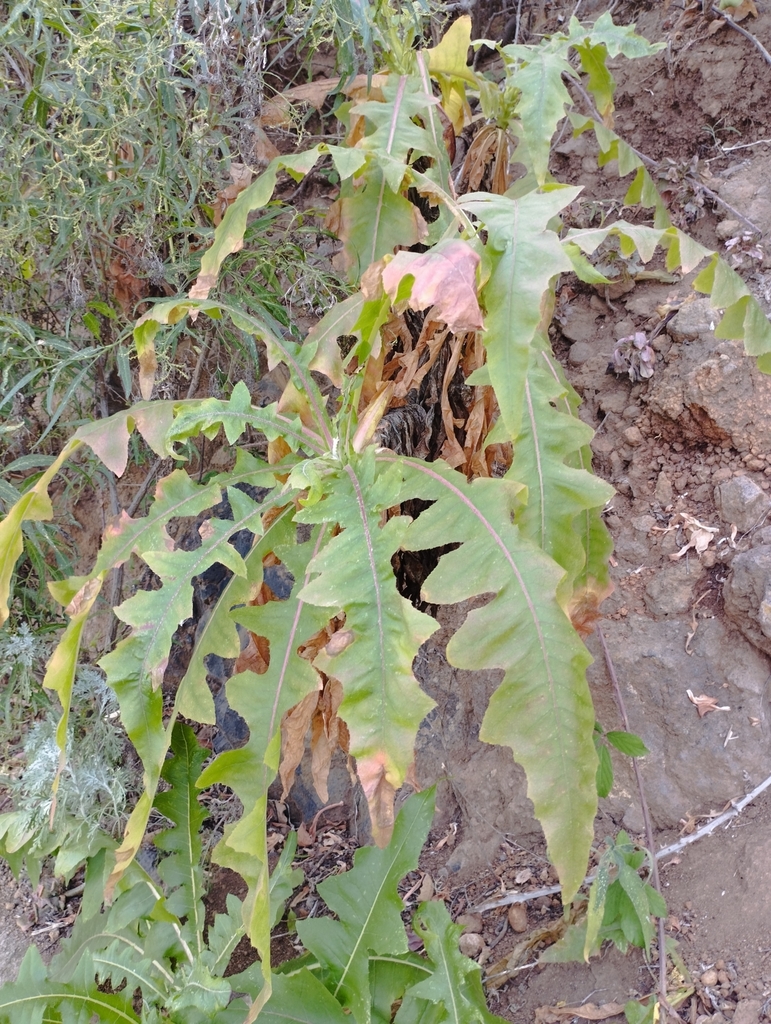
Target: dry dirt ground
(693, 441)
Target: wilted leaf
(445, 279)
(705, 704)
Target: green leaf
(136, 667)
(389, 979)
(262, 700)
(223, 936)
(635, 918)
(543, 708)
(543, 101)
(627, 743)
(284, 879)
(32, 995)
(604, 771)
(526, 255)
(301, 999)
(383, 703)
(181, 870)
(449, 984)
(374, 221)
(368, 908)
(557, 492)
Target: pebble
(709, 977)
(633, 436)
(518, 917)
(471, 944)
(580, 352)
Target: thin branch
(525, 897)
(737, 806)
(649, 836)
(747, 35)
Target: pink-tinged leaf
(148, 366)
(108, 440)
(445, 279)
(153, 422)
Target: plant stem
(649, 837)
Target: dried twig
(737, 806)
(747, 35)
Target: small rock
(681, 482)
(518, 917)
(470, 922)
(748, 1011)
(631, 412)
(580, 324)
(670, 592)
(709, 977)
(692, 320)
(643, 524)
(708, 559)
(664, 492)
(721, 475)
(580, 352)
(702, 493)
(471, 944)
(633, 436)
(728, 229)
(747, 594)
(740, 501)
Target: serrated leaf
(525, 257)
(32, 995)
(368, 907)
(383, 704)
(543, 101)
(262, 700)
(449, 983)
(557, 492)
(181, 870)
(627, 743)
(373, 222)
(543, 708)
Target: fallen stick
(737, 806)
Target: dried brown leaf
(705, 704)
(294, 726)
(255, 657)
(380, 796)
(325, 735)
